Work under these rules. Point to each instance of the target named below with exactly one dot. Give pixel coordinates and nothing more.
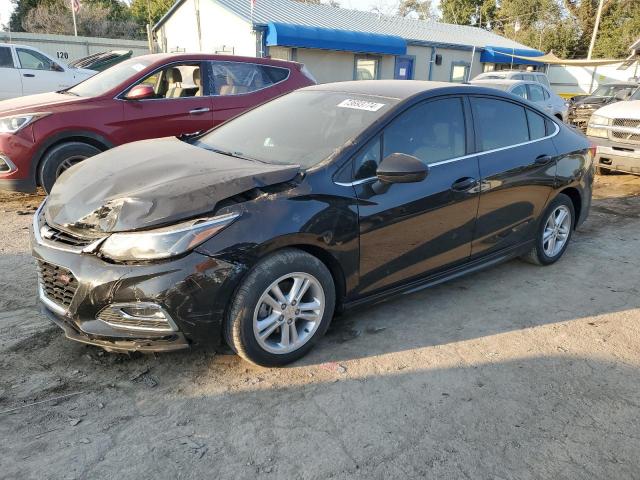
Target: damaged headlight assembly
(15, 123)
(164, 242)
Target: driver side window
(175, 81)
(33, 60)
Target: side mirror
(401, 168)
(140, 92)
(56, 68)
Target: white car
(25, 70)
(615, 129)
(539, 77)
(535, 92)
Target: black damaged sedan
(257, 232)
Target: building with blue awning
(338, 44)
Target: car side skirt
(445, 276)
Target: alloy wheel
(68, 163)
(288, 313)
(556, 231)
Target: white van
(25, 70)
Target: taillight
(593, 149)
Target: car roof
(503, 84)
(512, 71)
(159, 58)
(399, 89)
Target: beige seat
(174, 78)
(197, 80)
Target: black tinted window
(499, 123)
(432, 131)
(276, 74)
(536, 125)
(367, 161)
(6, 60)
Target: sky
(385, 6)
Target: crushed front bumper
(75, 287)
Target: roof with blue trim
(326, 16)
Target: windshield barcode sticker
(361, 105)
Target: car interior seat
(174, 77)
(197, 80)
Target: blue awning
(497, 55)
(289, 35)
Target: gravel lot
(518, 372)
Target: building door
(404, 68)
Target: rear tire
(553, 233)
(268, 323)
(60, 158)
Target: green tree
(479, 13)
(143, 10)
(420, 9)
(619, 28)
(21, 9)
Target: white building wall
(327, 65)
(421, 55)
(220, 30)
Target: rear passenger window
(536, 125)
(499, 123)
(235, 78)
(6, 60)
(431, 131)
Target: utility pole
(595, 30)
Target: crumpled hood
(151, 183)
(590, 100)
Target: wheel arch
(88, 137)
(576, 199)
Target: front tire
(60, 158)
(554, 232)
(281, 309)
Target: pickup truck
(26, 70)
(615, 129)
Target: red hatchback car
(145, 97)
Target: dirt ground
(518, 372)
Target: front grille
(58, 284)
(54, 234)
(626, 122)
(620, 130)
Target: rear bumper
(25, 185)
(617, 156)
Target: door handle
(463, 184)
(543, 159)
(197, 111)
(30, 75)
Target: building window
(459, 72)
(366, 67)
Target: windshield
(608, 90)
(102, 82)
(302, 128)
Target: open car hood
(152, 183)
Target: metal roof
(326, 16)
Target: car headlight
(597, 126)
(164, 242)
(16, 123)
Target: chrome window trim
(464, 157)
(118, 96)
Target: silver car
(532, 91)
